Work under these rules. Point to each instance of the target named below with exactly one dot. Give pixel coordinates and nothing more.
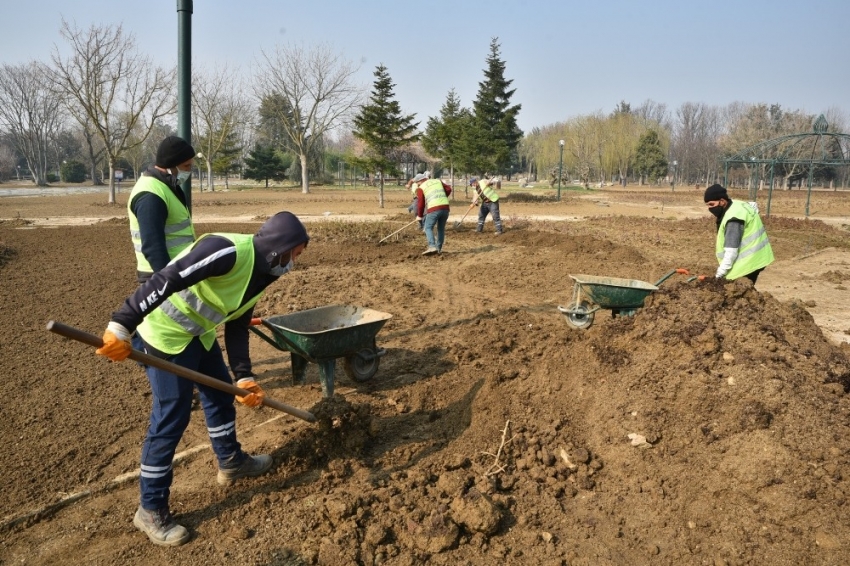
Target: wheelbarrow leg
(326, 377)
(299, 369)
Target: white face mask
(282, 269)
(182, 176)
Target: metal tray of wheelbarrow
(623, 297)
(322, 334)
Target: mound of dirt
(709, 428)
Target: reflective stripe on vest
(198, 310)
(488, 191)
(435, 194)
(755, 251)
(179, 232)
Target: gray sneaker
(252, 467)
(160, 527)
(430, 251)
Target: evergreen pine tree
(381, 125)
(492, 142)
(650, 162)
(442, 137)
(264, 163)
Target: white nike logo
(161, 291)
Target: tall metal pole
(184, 82)
(560, 168)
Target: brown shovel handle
(192, 375)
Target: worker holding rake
(217, 280)
(432, 205)
(486, 192)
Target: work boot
(430, 251)
(253, 466)
(160, 527)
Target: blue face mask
(182, 176)
(279, 270)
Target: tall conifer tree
(382, 126)
(492, 143)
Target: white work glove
(754, 205)
(729, 257)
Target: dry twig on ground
(497, 467)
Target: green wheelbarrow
(623, 297)
(322, 335)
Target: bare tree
(31, 113)
(112, 89)
(319, 90)
(219, 110)
(7, 162)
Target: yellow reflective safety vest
(488, 191)
(198, 310)
(755, 251)
(435, 194)
(179, 232)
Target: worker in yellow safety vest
(741, 247)
(432, 206)
(485, 191)
(216, 281)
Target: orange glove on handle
(255, 398)
(682, 271)
(116, 343)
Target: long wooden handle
(192, 375)
(397, 231)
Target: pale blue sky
(565, 57)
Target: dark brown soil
(710, 428)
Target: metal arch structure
(804, 151)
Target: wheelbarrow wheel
(581, 317)
(361, 366)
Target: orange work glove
(256, 395)
(702, 277)
(116, 343)
(682, 271)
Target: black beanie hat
(173, 151)
(715, 192)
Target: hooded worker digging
(217, 280)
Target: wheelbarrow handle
(191, 375)
(671, 273)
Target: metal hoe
(468, 210)
(397, 231)
(191, 375)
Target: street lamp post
(560, 168)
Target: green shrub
(72, 172)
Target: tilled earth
(710, 428)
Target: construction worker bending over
(741, 247)
(215, 281)
(433, 205)
(486, 192)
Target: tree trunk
(381, 190)
(305, 176)
(210, 182)
(111, 181)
